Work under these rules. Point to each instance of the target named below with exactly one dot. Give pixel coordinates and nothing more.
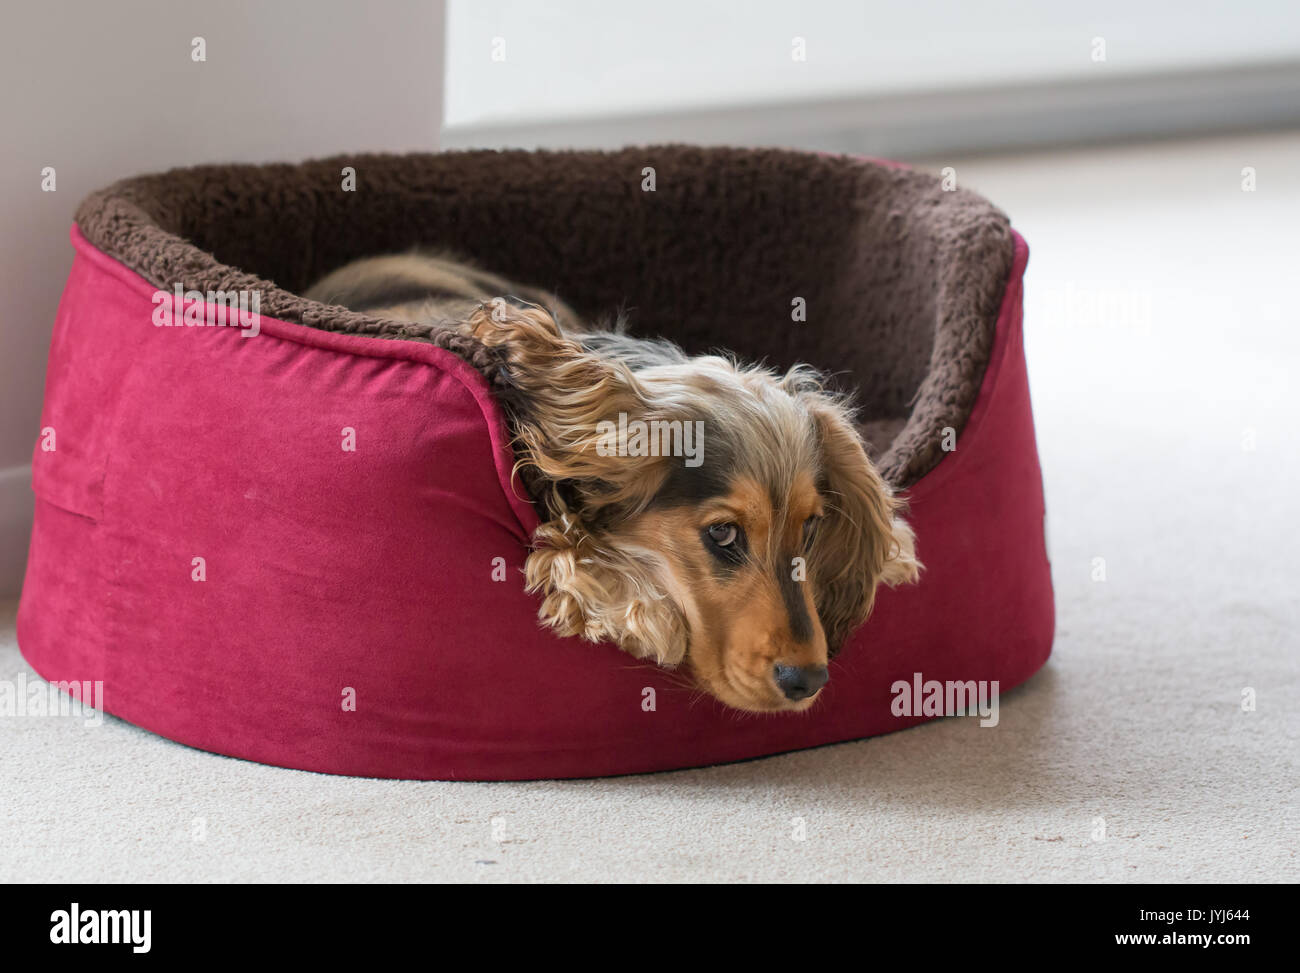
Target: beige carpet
(1164, 349)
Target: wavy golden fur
(749, 567)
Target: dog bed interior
(394, 572)
(898, 282)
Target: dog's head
(699, 513)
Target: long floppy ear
(861, 541)
(594, 583)
(560, 395)
(597, 589)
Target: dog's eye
(724, 535)
(726, 542)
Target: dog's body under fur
(431, 287)
(751, 567)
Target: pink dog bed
(208, 548)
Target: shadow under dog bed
(209, 548)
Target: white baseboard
(912, 124)
(15, 526)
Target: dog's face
(742, 536)
(772, 547)
(736, 567)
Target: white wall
(567, 59)
(105, 90)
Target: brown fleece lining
(902, 281)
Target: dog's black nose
(800, 682)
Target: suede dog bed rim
(142, 221)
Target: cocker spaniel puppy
(696, 511)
